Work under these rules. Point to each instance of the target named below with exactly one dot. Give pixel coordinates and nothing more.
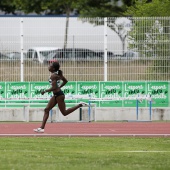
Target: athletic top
(58, 81)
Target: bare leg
(62, 106)
(52, 102)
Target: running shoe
(39, 130)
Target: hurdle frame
(58, 118)
(150, 111)
(138, 98)
(90, 98)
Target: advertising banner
(2, 93)
(70, 88)
(118, 90)
(133, 90)
(17, 89)
(35, 92)
(111, 90)
(91, 88)
(37, 87)
(159, 93)
(2, 90)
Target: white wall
(50, 31)
(102, 114)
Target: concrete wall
(102, 114)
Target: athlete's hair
(56, 66)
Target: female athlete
(58, 95)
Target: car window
(30, 53)
(78, 54)
(46, 54)
(35, 55)
(51, 56)
(70, 54)
(2, 56)
(91, 54)
(65, 54)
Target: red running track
(112, 129)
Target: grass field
(84, 153)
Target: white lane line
(86, 135)
(112, 130)
(141, 151)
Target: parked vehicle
(14, 56)
(40, 54)
(3, 56)
(118, 56)
(109, 54)
(70, 54)
(129, 55)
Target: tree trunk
(66, 30)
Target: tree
(60, 7)
(99, 8)
(121, 26)
(50, 7)
(28, 6)
(110, 9)
(86, 8)
(155, 30)
(8, 6)
(153, 39)
(142, 8)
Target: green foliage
(28, 6)
(8, 6)
(49, 7)
(150, 36)
(143, 9)
(101, 8)
(87, 8)
(129, 2)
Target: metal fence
(89, 49)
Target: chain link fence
(89, 49)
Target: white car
(40, 54)
(14, 56)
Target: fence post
(105, 49)
(21, 49)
